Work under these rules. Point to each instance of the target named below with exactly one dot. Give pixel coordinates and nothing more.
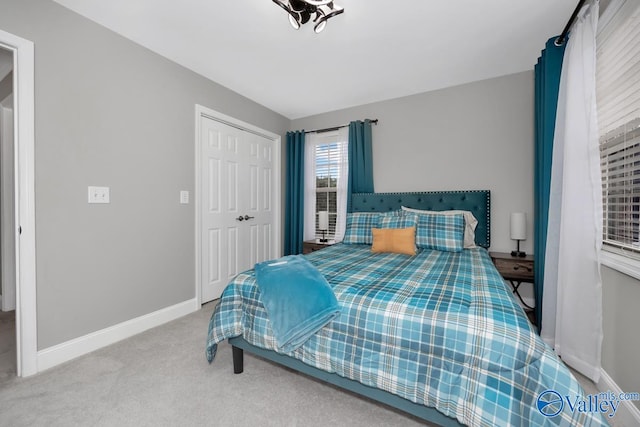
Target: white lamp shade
(518, 226)
(323, 220)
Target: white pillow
(470, 223)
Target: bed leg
(238, 360)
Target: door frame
(204, 112)
(24, 164)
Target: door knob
(247, 217)
(240, 218)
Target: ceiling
(375, 50)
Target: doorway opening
(8, 355)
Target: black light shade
(301, 11)
(294, 22)
(322, 21)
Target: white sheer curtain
(343, 182)
(572, 298)
(310, 186)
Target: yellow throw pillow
(394, 240)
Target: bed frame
(476, 201)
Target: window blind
(328, 158)
(618, 100)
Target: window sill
(621, 263)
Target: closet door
(237, 203)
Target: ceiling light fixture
(300, 12)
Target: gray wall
(621, 317)
(474, 136)
(111, 113)
(6, 86)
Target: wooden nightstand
(515, 270)
(314, 245)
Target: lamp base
(324, 237)
(518, 252)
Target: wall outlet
(98, 195)
(184, 197)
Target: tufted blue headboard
(476, 201)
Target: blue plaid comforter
(439, 329)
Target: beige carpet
(161, 378)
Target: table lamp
(323, 224)
(518, 231)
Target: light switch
(98, 195)
(184, 197)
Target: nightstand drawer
(307, 248)
(312, 246)
(515, 269)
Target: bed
(437, 335)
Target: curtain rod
(374, 121)
(563, 37)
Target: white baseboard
(52, 356)
(628, 414)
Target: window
(326, 173)
(620, 160)
(618, 99)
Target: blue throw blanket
(297, 298)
